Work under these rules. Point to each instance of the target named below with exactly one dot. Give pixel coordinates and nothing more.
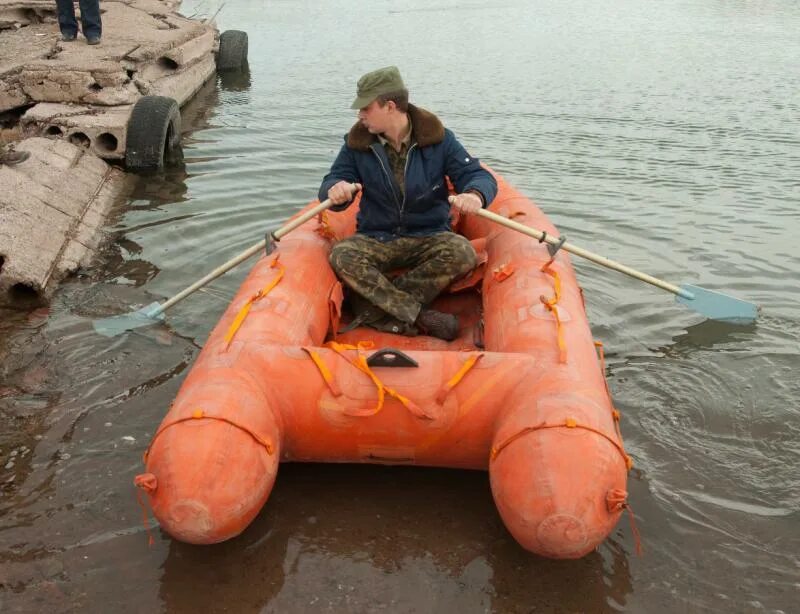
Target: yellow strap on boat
(550, 304)
(324, 371)
(240, 317)
(199, 414)
(360, 363)
(453, 381)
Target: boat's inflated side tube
(197, 489)
(554, 462)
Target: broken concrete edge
(52, 215)
(141, 45)
(52, 218)
(104, 129)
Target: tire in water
(232, 53)
(154, 134)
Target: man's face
(375, 117)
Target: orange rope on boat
(198, 414)
(602, 355)
(617, 501)
(453, 381)
(569, 423)
(360, 363)
(240, 317)
(550, 304)
(614, 411)
(637, 537)
(145, 517)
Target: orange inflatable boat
(521, 392)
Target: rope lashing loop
(147, 482)
(569, 423)
(617, 501)
(359, 361)
(143, 505)
(453, 381)
(614, 411)
(199, 414)
(240, 317)
(550, 305)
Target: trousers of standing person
(91, 25)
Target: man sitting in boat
(402, 155)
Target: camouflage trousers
(432, 262)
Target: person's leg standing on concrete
(66, 20)
(90, 21)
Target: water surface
(663, 135)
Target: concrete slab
(85, 94)
(138, 48)
(102, 130)
(73, 102)
(50, 216)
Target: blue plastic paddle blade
(716, 305)
(116, 325)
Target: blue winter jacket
(385, 213)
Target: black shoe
(438, 324)
(92, 40)
(12, 158)
(68, 38)
(389, 324)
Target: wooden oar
(714, 305)
(154, 312)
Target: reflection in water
(358, 539)
(709, 334)
(235, 80)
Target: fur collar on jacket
(428, 130)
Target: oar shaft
(222, 269)
(578, 251)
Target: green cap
(375, 83)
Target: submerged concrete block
(51, 212)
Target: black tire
(232, 53)
(154, 133)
